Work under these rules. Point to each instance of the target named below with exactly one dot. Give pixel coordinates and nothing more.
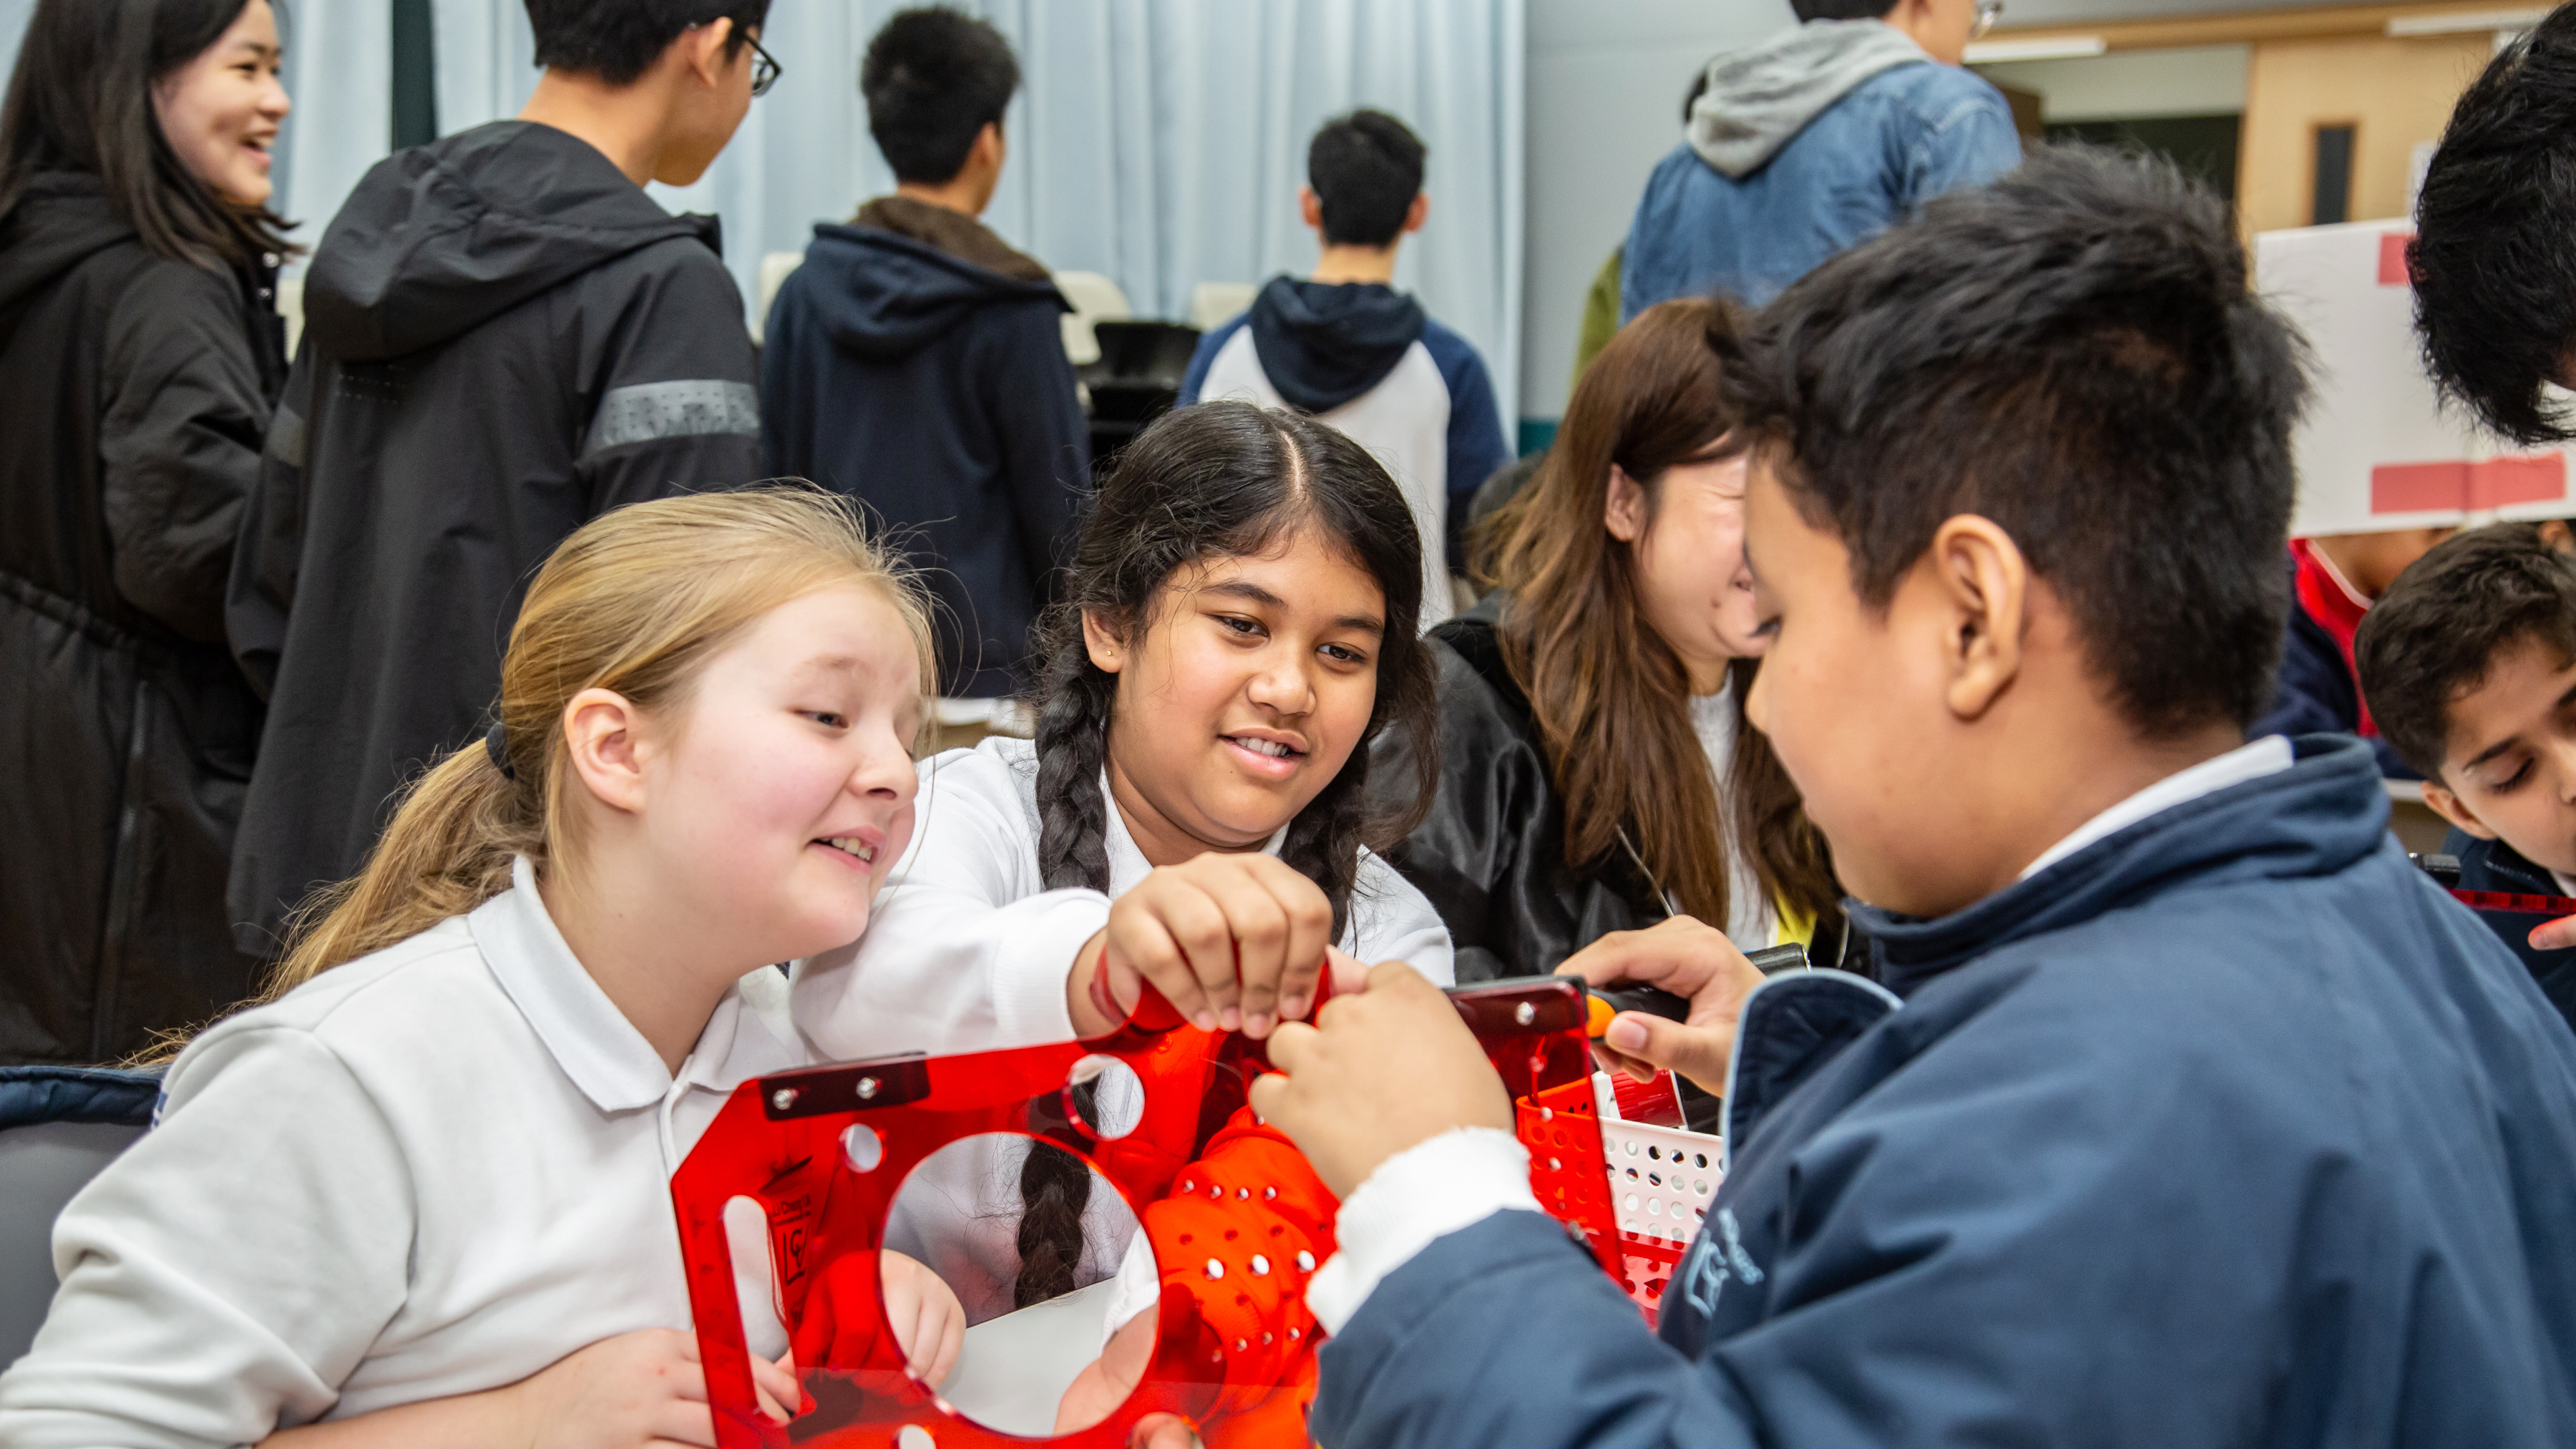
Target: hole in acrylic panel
(1056, 1282)
(1105, 1096)
(862, 1148)
(755, 1276)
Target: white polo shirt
(432, 1171)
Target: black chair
(1137, 378)
(58, 1127)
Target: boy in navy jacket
(916, 362)
(2469, 661)
(2188, 1112)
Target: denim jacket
(1863, 160)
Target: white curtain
(14, 15)
(1160, 142)
(340, 76)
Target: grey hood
(1758, 99)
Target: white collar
(1127, 864)
(589, 1037)
(2267, 756)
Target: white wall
(1605, 103)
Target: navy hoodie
(2229, 1129)
(915, 363)
(1339, 351)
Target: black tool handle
(1654, 1001)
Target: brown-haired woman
(1596, 772)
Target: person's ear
(990, 148)
(1983, 585)
(706, 55)
(2555, 534)
(1623, 507)
(602, 738)
(1107, 650)
(1419, 212)
(1310, 208)
(2449, 807)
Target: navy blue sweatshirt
(2229, 1129)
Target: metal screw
(782, 1099)
(1524, 1013)
(867, 1088)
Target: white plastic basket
(1662, 1180)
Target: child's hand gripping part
(1232, 941)
(1691, 960)
(1378, 1072)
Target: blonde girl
(420, 1195)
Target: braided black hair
(1055, 1187)
(1215, 480)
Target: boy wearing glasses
(916, 360)
(504, 337)
(1812, 140)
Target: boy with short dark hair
(2185, 1111)
(916, 361)
(2470, 666)
(1345, 346)
(504, 338)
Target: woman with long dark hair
(1596, 772)
(140, 353)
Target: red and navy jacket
(2316, 692)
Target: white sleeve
(228, 1272)
(1433, 1188)
(1392, 920)
(964, 951)
(1139, 1287)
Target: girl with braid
(1194, 814)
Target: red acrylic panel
(823, 1150)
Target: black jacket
(504, 338)
(916, 363)
(1491, 854)
(137, 392)
(2492, 865)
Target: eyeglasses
(1988, 12)
(764, 66)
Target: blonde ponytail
(636, 602)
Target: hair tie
(496, 744)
